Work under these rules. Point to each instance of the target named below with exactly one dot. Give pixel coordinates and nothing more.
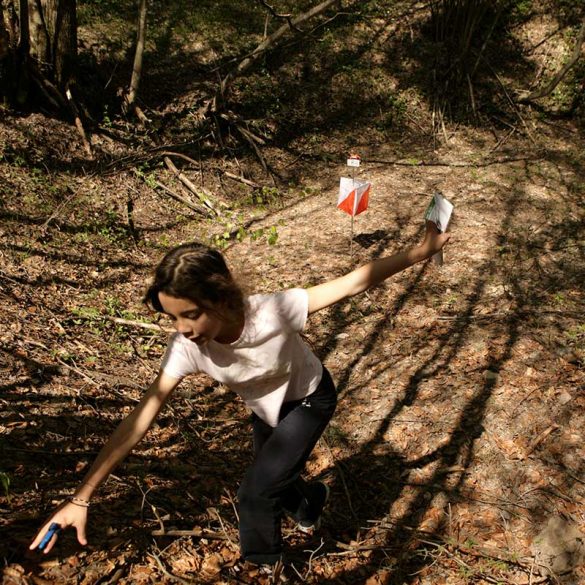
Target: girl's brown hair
(199, 273)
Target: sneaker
(309, 525)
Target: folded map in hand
(439, 212)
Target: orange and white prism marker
(353, 195)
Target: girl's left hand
(434, 239)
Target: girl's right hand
(68, 514)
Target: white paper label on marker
(353, 162)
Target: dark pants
(273, 484)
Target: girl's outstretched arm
(361, 279)
(124, 438)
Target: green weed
(335, 436)
(89, 313)
(576, 333)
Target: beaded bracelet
(79, 501)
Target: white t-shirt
(268, 365)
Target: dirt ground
(458, 443)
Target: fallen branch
(59, 453)
(435, 540)
(197, 532)
(272, 39)
(58, 209)
(141, 115)
(224, 529)
(181, 199)
(251, 140)
(462, 164)
(128, 322)
(187, 183)
(510, 315)
(48, 88)
(49, 91)
(560, 75)
(510, 100)
(78, 123)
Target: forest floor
(457, 452)
(458, 445)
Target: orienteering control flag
(353, 195)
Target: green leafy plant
(272, 236)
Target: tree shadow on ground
(176, 473)
(453, 458)
(356, 479)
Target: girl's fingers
(39, 537)
(46, 537)
(49, 545)
(81, 535)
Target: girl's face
(196, 324)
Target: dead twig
(140, 324)
(224, 529)
(96, 384)
(251, 139)
(231, 501)
(455, 164)
(510, 100)
(503, 140)
(468, 567)
(128, 323)
(242, 180)
(166, 573)
(539, 440)
(286, 17)
(59, 453)
(183, 156)
(58, 210)
(479, 552)
(313, 553)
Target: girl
(252, 345)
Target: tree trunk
(5, 57)
(38, 50)
(4, 38)
(53, 38)
(137, 68)
(65, 52)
